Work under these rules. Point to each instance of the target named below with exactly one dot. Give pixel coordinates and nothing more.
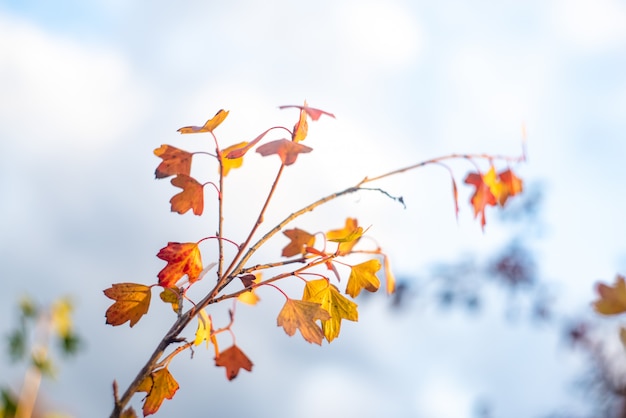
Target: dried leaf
(182, 258)
(175, 161)
(338, 306)
(300, 240)
(209, 126)
(363, 276)
(300, 314)
(192, 196)
(612, 299)
(233, 359)
(159, 385)
(287, 150)
(132, 301)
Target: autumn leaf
(301, 128)
(338, 306)
(241, 151)
(61, 317)
(233, 359)
(210, 124)
(299, 241)
(205, 331)
(482, 196)
(389, 277)
(172, 296)
(192, 196)
(159, 385)
(300, 314)
(347, 237)
(511, 184)
(313, 113)
(363, 276)
(132, 301)
(230, 163)
(182, 258)
(612, 299)
(128, 413)
(250, 297)
(175, 161)
(287, 150)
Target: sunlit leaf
(512, 185)
(300, 314)
(132, 301)
(210, 124)
(482, 196)
(205, 330)
(192, 196)
(182, 259)
(159, 385)
(175, 161)
(313, 113)
(301, 128)
(287, 150)
(299, 241)
(347, 237)
(172, 296)
(363, 276)
(230, 163)
(338, 306)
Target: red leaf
(233, 359)
(287, 150)
(181, 259)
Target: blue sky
(89, 89)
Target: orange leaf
(181, 259)
(192, 196)
(175, 161)
(131, 303)
(389, 277)
(233, 359)
(363, 276)
(301, 128)
(347, 237)
(287, 150)
(210, 124)
(338, 306)
(158, 385)
(230, 163)
(241, 151)
(250, 297)
(612, 299)
(482, 196)
(313, 113)
(129, 413)
(302, 315)
(299, 241)
(512, 185)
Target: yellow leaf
(62, 317)
(338, 306)
(171, 295)
(363, 276)
(250, 297)
(210, 124)
(230, 163)
(131, 303)
(612, 299)
(347, 237)
(159, 385)
(301, 127)
(205, 330)
(300, 314)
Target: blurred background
(493, 323)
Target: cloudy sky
(89, 89)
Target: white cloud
(60, 93)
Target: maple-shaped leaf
(182, 258)
(172, 296)
(192, 196)
(132, 301)
(175, 161)
(363, 276)
(301, 128)
(287, 150)
(159, 385)
(301, 314)
(482, 196)
(347, 237)
(338, 306)
(230, 163)
(205, 331)
(210, 124)
(612, 299)
(313, 113)
(511, 185)
(299, 241)
(233, 359)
